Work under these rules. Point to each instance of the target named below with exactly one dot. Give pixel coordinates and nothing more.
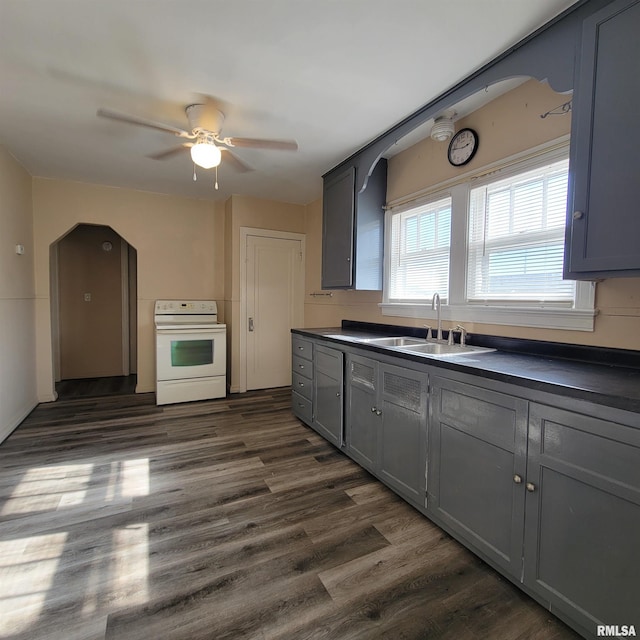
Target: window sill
(549, 318)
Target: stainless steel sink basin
(400, 341)
(437, 349)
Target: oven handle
(181, 330)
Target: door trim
(245, 233)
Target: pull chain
(194, 172)
(216, 184)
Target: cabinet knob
(373, 409)
(531, 487)
(301, 384)
(301, 366)
(338, 395)
(578, 215)
(378, 412)
(517, 479)
(348, 259)
(301, 348)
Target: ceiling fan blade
(123, 117)
(168, 153)
(232, 159)
(257, 143)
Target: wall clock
(463, 147)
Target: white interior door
(275, 304)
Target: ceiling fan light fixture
(206, 154)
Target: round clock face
(463, 147)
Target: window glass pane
(419, 260)
(191, 353)
(516, 238)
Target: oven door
(190, 353)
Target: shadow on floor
(96, 387)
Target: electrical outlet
(87, 297)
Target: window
(420, 245)
(492, 246)
(516, 239)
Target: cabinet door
(327, 398)
(362, 422)
(338, 215)
(604, 214)
(477, 463)
(582, 539)
(403, 431)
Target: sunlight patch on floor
(27, 570)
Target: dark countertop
(609, 377)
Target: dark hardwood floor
(225, 519)
(96, 387)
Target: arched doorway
(94, 312)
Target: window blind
(516, 239)
(420, 246)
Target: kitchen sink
(441, 350)
(401, 341)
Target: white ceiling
(332, 74)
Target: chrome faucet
(463, 334)
(435, 305)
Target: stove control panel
(173, 307)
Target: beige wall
(245, 211)
(175, 239)
(90, 330)
(17, 296)
(506, 126)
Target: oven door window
(191, 353)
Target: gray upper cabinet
(353, 229)
(603, 222)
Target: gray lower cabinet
(302, 378)
(477, 441)
(328, 396)
(549, 495)
(386, 429)
(362, 422)
(582, 538)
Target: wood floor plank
(225, 519)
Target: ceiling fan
(203, 138)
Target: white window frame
(578, 318)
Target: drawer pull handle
(301, 348)
(578, 215)
(301, 384)
(531, 487)
(301, 366)
(517, 479)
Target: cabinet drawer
(301, 407)
(302, 366)
(302, 348)
(301, 385)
